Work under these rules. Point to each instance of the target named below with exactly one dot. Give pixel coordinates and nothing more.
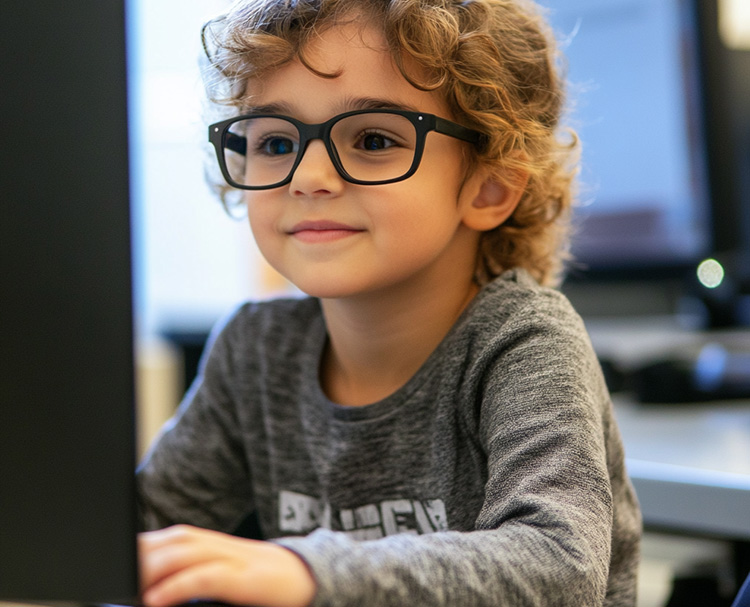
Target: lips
(322, 231)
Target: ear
(493, 203)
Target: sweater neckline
(394, 401)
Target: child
(430, 426)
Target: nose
(316, 175)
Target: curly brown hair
(493, 61)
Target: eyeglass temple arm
(235, 143)
(447, 127)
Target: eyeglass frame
(423, 123)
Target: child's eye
(372, 142)
(277, 146)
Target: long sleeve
(196, 472)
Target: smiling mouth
(322, 231)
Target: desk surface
(690, 465)
(711, 439)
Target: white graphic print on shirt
(300, 513)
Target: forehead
(364, 70)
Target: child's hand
(182, 563)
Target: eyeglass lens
(262, 151)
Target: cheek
(417, 219)
(262, 218)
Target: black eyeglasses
(367, 147)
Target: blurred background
(660, 96)
(641, 91)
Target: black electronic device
(712, 372)
(661, 106)
(67, 446)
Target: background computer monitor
(67, 450)
(660, 104)
(725, 69)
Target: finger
(166, 560)
(170, 535)
(201, 581)
(167, 554)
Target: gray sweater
(494, 477)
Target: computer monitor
(635, 82)
(665, 142)
(67, 448)
(726, 76)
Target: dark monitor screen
(635, 90)
(660, 103)
(67, 449)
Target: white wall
(193, 262)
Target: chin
(333, 288)
(326, 291)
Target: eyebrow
(269, 108)
(372, 103)
(348, 104)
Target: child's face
(335, 239)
